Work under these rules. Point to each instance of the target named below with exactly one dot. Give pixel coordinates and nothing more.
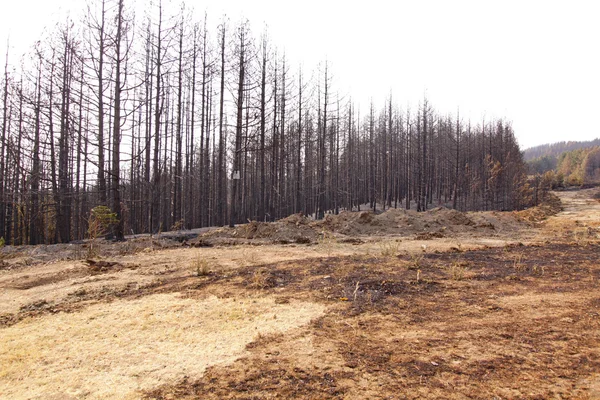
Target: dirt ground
(392, 305)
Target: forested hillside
(174, 125)
(553, 150)
(565, 163)
(577, 167)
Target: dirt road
(580, 204)
(507, 312)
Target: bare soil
(395, 305)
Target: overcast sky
(536, 63)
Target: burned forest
(174, 123)
(333, 204)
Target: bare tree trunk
(17, 205)
(372, 194)
(64, 220)
(263, 117)
(236, 172)
(456, 164)
(298, 205)
(179, 141)
(323, 158)
(3, 230)
(424, 164)
(77, 216)
(221, 179)
(192, 213)
(274, 149)
(158, 108)
(100, 74)
(35, 223)
(116, 157)
(205, 135)
(281, 183)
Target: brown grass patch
(114, 350)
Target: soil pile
(101, 267)
(354, 223)
(435, 223)
(551, 205)
(294, 229)
(394, 221)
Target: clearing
(394, 305)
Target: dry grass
(327, 242)
(458, 271)
(201, 266)
(111, 351)
(250, 257)
(585, 235)
(518, 263)
(415, 262)
(389, 249)
(261, 279)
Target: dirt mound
(293, 229)
(435, 223)
(450, 217)
(102, 267)
(551, 205)
(296, 219)
(396, 221)
(350, 223)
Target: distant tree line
(553, 150)
(173, 126)
(572, 168)
(570, 155)
(542, 164)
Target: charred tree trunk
(222, 179)
(116, 156)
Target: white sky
(537, 63)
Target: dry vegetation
(394, 305)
